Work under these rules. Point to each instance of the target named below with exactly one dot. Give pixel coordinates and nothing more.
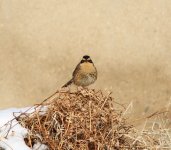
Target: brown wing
(76, 70)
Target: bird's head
(86, 58)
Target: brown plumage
(84, 74)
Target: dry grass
(90, 120)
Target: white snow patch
(13, 139)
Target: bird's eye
(82, 61)
(90, 61)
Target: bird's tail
(68, 83)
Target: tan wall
(41, 41)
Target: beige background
(129, 41)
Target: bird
(84, 74)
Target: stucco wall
(129, 41)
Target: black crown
(86, 56)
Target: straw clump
(82, 120)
